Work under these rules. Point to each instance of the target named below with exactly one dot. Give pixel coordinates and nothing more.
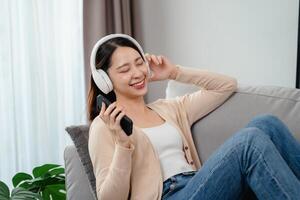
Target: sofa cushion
(80, 136)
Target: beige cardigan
(135, 173)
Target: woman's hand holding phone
(112, 117)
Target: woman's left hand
(161, 67)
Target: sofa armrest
(77, 184)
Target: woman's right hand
(112, 117)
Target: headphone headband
(108, 37)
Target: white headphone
(100, 77)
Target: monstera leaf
(17, 193)
(46, 182)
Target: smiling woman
(159, 160)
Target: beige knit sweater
(135, 173)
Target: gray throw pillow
(80, 136)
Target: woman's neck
(133, 107)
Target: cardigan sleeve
(111, 163)
(214, 89)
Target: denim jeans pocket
(176, 183)
(169, 190)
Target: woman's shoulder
(164, 103)
(100, 137)
(97, 122)
(97, 127)
(160, 102)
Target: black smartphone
(125, 123)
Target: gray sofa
(208, 133)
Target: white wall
(254, 40)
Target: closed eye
(140, 63)
(124, 71)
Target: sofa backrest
(247, 102)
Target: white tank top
(168, 144)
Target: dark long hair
(103, 61)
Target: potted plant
(46, 182)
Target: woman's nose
(137, 72)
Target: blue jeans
(261, 161)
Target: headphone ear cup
(103, 81)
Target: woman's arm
(111, 163)
(214, 90)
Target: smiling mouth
(138, 83)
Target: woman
(159, 159)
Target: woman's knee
(252, 142)
(267, 123)
(251, 136)
(266, 119)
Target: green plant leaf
(4, 191)
(56, 171)
(45, 195)
(20, 177)
(32, 183)
(26, 185)
(60, 177)
(47, 182)
(42, 182)
(38, 184)
(57, 192)
(41, 170)
(21, 193)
